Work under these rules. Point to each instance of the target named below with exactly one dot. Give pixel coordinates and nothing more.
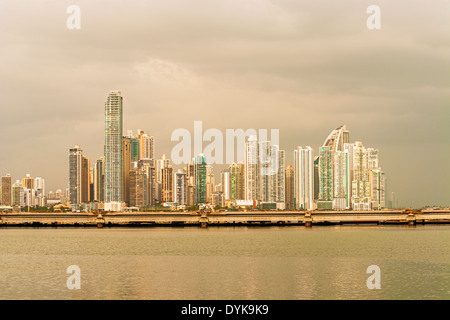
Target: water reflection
(226, 263)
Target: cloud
(304, 67)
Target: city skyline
(263, 65)
(143, 146)
(344, 176)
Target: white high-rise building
(378, 189)
(210, 183)
(341, 199)
(304, 178)
(252, 169)
(361, 197)
(266, 159)
(180, 187)
(349, 147)
(281, 184)
(113, 150)
(271, 177)
(225, 179)
(39, 187)
(372, 158)
(161, 164)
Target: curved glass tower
(336, 139)
(333, 170)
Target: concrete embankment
(251, 218)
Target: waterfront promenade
(249, 218)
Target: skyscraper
(137, 188)
(7, 190)
(148, 166)
(377, 180)
(85, 180)
(39, 192)
(325, 200)
(304, 178)
(378, 188)
(372, 158)
(180, 187)
(337, 138)
(200, 179)
(161, 164)
(332, 183)
(17, 194)
(234, 180)
(225, 179)
(252, 169)
(280, 185)
(28, 182)
(316, 178)
(341, 199)
(113, 147)
(290, 189)
(241, 181)
(361, 197)
(210, 183)
(100, 179)
(75, 174)
(266, 173)
(126, 168)
(349, 148)
(134, 146)
(190, 177)
(146, 145)
(167, 184)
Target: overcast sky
(303, 67)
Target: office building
(75, 175)
(7, 191)
(180, 188)
(290, 188)
(304, 178)
(200, 179)
(252, 169)
(113, 149)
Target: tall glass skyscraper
(290, 194)
(266, 173)
(113, 147)
(341, 199)
(7, 190)
(280, 183)
(180, 187)
(361, 197)
(234, 180)
(75, 165)
(251, 169)
(100, 179)
(333, 170)
(200, 178)
(304, 178)
(325, 178)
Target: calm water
(226, 263)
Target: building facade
(113, 147)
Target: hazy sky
(303, 67)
